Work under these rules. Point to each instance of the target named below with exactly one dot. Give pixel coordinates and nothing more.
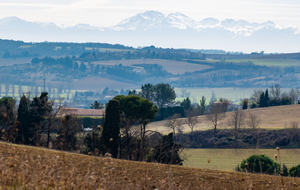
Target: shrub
(295, 171)
(284, 170)
(260, 163)
(166, 151)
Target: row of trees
(274, 96)
(39, 122)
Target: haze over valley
(170, 95)
(174, 30)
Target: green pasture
(228, 159)
(270, 62)
(25, 46)
(262, 62)
(109, 49)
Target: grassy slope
(30, 167)
(270, 118)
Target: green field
(26, 46)
(109, 50)
(262, 62)
(271, 62)
(228, 159)
(231, 93)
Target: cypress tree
(26, 130)
(262, 100)
(111, 128)
(266, 99)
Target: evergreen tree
(245, 104)
(66, 135)
(75, 66)
(31, 116)
(186, 104)
(267, 98)
(82, 67)
(202, 107)
(262, 100)
(97, 105)
(97, 70)
(26, 131)
(111, 128)
(147, 92)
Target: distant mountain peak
(9, 19)
(149, 20)
(209, 22)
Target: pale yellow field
(174, 67)
(228, 159)
(276, 117)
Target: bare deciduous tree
(216, 112)
(236, 122)
(51, 118)
(256, 95)
(275, 91)
(6, 88)
(294, 94)
(13, 89)
(253, 123)
(20, 90)
(192, 119)
(174, 123)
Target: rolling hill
(276, 117)
(24, 167)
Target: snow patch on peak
(155, 20)
(84, 26)
(151, 14)
(143, 21)
(209, 22)
(179, 20)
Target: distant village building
(139, 70)
(82, 112)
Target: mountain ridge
(157, 20)
(173, 30)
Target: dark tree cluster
(49, 61)
(161, 94)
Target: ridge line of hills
(174, 30)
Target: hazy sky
(110, 12)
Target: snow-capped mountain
(150, 20)
(173, 30)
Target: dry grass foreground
(24, 167)
(276, 117)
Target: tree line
(41, 122)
